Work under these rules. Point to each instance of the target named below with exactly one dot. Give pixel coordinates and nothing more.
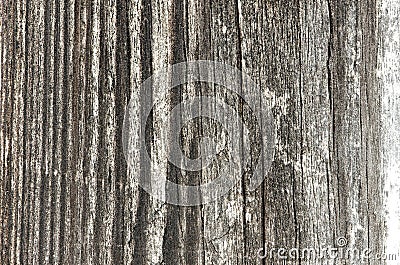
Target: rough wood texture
(330, 70)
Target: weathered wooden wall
(70, 67)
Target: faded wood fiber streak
(330, 70)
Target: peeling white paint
(389, 67)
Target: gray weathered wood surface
(70, 67)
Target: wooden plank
(326, 71)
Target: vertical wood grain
(327, 72)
